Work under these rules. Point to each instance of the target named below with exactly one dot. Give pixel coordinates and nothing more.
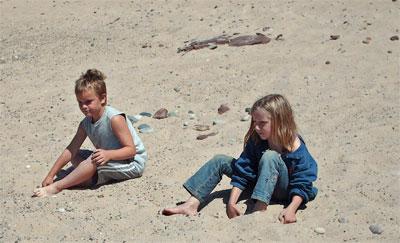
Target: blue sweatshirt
(302, 169)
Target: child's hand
(232, 211)
(100, 157)
(287, 216)
(47, 181)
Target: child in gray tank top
(119, 152)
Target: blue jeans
(272, 178)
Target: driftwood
(243, 40)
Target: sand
(345, 94)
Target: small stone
(342, 220)
(367, 40)
(201, 127)
(245, 117)
(376, 229)
(223, 108)
(202, 136)
(177, 89)
(192, 116)
(248, 110)
(319, 230)
(161, 114)
(218, 122)
(145, 113)
(61, 210)
(212, 46)
(173, 114)
(327, 62)
(28, 166)
(144, 128)
(394, 38)
(185, 124)
(335, 37)
(135, 118)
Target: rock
(223, 108)
(376, 229)
(218, 122)
(201, 127)
(204, 136)
(248, 110)
(245, 117)
(144, 128)
(144, 113)
(161, 114)
(394, 38)
(192, 116)
(185, 124)
(212, 46)
(135, 118)
(342, 220)
(367, 40)
(28, 166)
(173, 114)
(335, 37)
(319, 230)
(177, 89)
(61, 210)
(327, 62)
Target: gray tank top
(102, 136)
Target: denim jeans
(272, 178)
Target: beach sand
(345, 94)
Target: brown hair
(92, 79)
(284, 129)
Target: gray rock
(223, 108)
(177, 89)
(135, 118)
(376, 229)
(248, 109)
(342, 220)
(145, 113)
(144, 128)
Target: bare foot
(187, 208)
(46, 191)
(260, 206)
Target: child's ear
(103, 99)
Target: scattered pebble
(135, 118)
(204, 136)
(342, 220)
(218, 122)
(394, 38)
(319, 230)
(28, 166)
(212, 46)
(327, 62)
(223, 108)
(201, 128)
(245, 117)
(185, 124)
(376, 229)
(173, 114)
(335, 37)
(192, 116)
(161, 114)
(248, 110)
(61, 210)
(144, 113)
(177, 89)
(367, 40)
(144, 128)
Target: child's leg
(201, 184)
(84, 172)
(272, 176)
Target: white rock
(319, 230)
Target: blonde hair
(92, 79)
(284, 129)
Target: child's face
(90, 104)
(262, 123)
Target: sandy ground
(345, 93)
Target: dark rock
(394, 38)
(161, 114)
(335, 37)
(223, 108)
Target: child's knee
(269, 158)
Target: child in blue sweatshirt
(275, 164)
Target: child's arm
(231, 209)
(66, 155)
(288, 215)
(127, 151)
